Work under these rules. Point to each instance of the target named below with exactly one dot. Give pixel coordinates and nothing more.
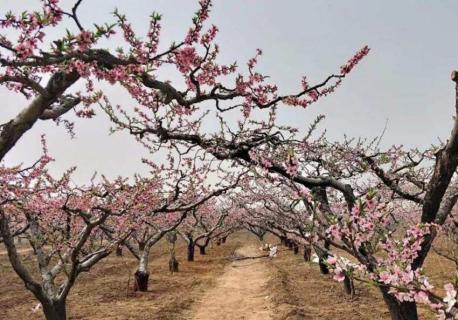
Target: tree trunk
(290, 244)
(141, 281)
(223, 240)
(202, 250)
(323, 267)
(55, 310)
(218, 242)
(323, 256)
(68, 227)
(349, 286)
(119, 251)
(399, 310)
(173, 264)
(191, 251)
(307, 253)
(283, 241)
(142, 274)
(296, 248)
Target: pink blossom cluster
(346, 68)
(186, 59)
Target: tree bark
(307, 253)
(13, 130)
(68, 227)
(119, 251)
(202, 250)
(323, 256)
(296, 249)
(142, 274)
(173, 264)
(141, 281)
(55, 310)
(191, 250)
(349, 286)
(223, 240)
(289, 244)
(399, 310)
(323, 267)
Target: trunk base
(141, 281)
(323, 267)
(399, 310)
(173, 265)
(322, 256)
(55, 311)
(289, 244)
(307, 253)
(191, 252)
(349, 286)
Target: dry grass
(103, 294)
(296, 289)
(301, 292)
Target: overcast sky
(405, 79)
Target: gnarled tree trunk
(307, 253)
(119, 251)
(399, 310)
(55, 310)
(191, 247)
(349, 286)
(202, 249)
(173, 264)
(289, 244)
(142, 274)
(323, 256)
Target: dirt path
(240, 293)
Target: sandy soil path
(239, 293)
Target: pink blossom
(185, 59)
(332, 260)
(25, 49)
(339, 275)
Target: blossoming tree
(62, 223)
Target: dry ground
(301, 292)
(212, 287)
(103, 294)
(241, 292)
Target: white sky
(405, 79)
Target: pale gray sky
(405, 79)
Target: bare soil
(106, 291)
(301, 292)
(240, 292)
(212, 287)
